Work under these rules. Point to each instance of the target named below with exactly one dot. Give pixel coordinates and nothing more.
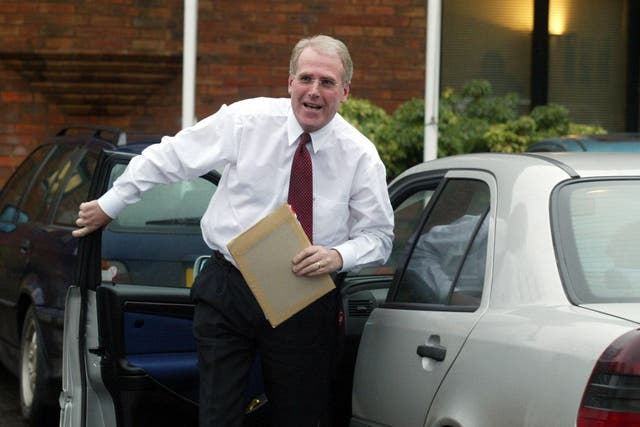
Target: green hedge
(471, 121)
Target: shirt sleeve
(193, 151)
(371, 219)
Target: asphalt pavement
(10, 415)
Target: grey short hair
(327, 45)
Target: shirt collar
(319, 138)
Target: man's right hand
(90, 218)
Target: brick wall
(62, 61)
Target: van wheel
(32, 378)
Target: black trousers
(230, 330)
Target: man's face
(317, 89)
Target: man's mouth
(312, 106)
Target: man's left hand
(316, 260)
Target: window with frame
(598, 234)
(76, 183)
(406, 218)
(16, 187)
(40, 197)
(446, 265)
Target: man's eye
(328, 83)
(305, 79)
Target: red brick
(11, 162)
(379, 31)
(379, 10)
(15, 97)
(345, 30)
(28, 129)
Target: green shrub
(373, 121)
(473, 120)
(552, 119)
(405, 128)
(366, 117)
(510, 137)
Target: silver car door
(364, 290)
(437, 296)
(129, 352)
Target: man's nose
(314, 87)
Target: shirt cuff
(111, 204)
(348, 254)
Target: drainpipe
(432, 79)
(189, 54)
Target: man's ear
(289, 83)
(345, 92)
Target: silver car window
(447, 262)
(406, 218)
(598, 234)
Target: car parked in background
(38, 255)
(605, 142)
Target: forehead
(312, 61)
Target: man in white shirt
(252, 142)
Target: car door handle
(432, 351)
(25, 245)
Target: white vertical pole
(189, 54)
(432, 79)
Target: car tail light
(612, 396)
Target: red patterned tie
(301, 186)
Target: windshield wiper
(174, 221)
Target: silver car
(516, 301)
(511, 298)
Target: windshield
(598, 237)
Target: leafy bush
(406, 126)
(371, 120)
(471, 121)
(366, 117)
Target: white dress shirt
(252, 143)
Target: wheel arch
(24, 302)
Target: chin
(311, 125)
(311, 121)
